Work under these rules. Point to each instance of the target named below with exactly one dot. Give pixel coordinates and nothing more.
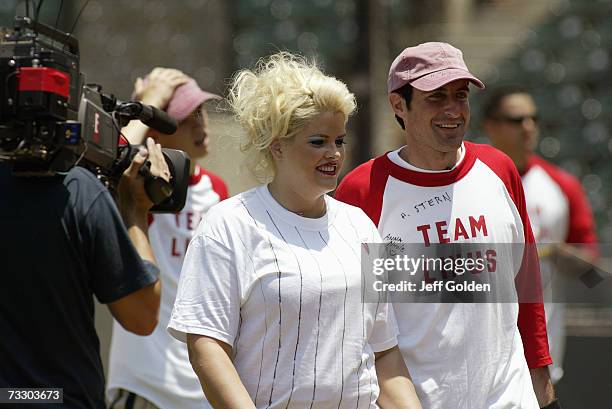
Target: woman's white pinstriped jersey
(285, 291)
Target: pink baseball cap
(186, 99)
(429, 66)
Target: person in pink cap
(438, 188)
(154, 372)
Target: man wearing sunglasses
(557, 206)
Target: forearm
(396, 387)
(542, 385)
(138, 311)
(135, 132)
(220, 382)
(137, 226)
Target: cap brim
(438, 79)
(189, 100)
(199, 98)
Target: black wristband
(553, 405)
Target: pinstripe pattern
(235, 348)
(280, 312)
(363, 325)
(314, 386)
(263, 341)
(299, 322)
(368, 368)
(343, 319)
(375, 315)
(237, 340)
(371, 401)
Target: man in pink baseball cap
(154, 371)
(438, 188)
(429, 66)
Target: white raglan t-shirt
(560, 213)
(157, 366)
(285, 292)
(460, 355)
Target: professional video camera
(49, 121)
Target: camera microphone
(158, 119)
(148, 115)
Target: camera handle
(157, 188)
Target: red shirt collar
(432, 179)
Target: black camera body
(50, 121)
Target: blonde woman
(269, 299)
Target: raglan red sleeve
(218, 185)
(531, 318)
(581, 224)
(364, 187)
(353, 188)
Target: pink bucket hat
(186, 99)
(429, 66)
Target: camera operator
(64, 240)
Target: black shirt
(62, 240)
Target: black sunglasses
(517, 120)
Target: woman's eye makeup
(317, 141)
(320, 141)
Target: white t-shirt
(460, 355)
(285, 292)
(157, 366)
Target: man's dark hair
(492, 104)
(406, 93)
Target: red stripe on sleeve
(531, 317)
(581, 225)
(364, 186)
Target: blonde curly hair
(277, 99)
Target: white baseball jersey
(559, 213)
(285, 292)
(460, 355)
(157, 366)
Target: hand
(542, 385)
(158, 164)
(157, 88)
(132, 198)
(574, 259)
